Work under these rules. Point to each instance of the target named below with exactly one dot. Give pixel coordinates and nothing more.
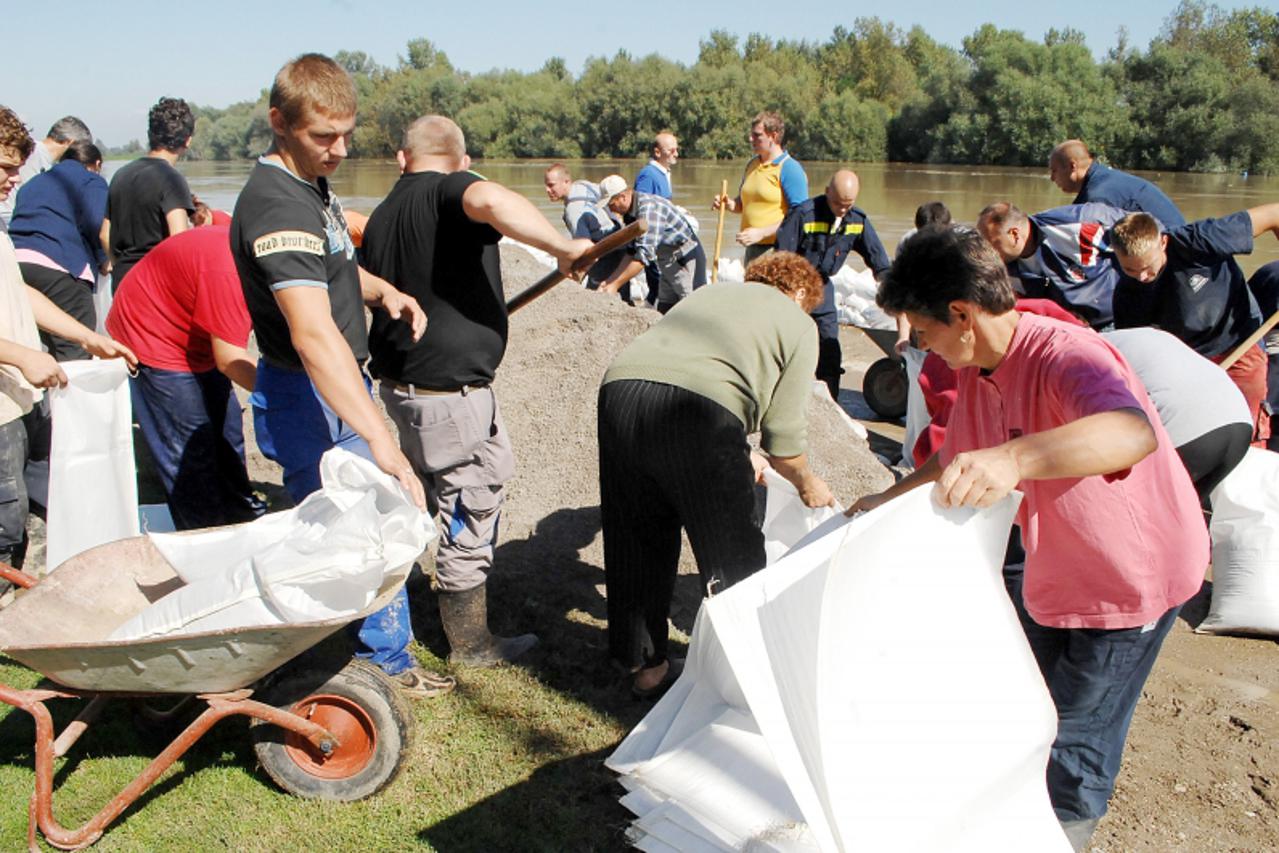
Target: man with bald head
(655, 178)
(1073, 169)
(824, 229)
(435, 235)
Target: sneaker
(419, 683)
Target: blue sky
(108, 62)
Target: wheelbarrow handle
(17, 577)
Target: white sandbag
(731, 269)
(102, 298)
(324, 559)
(1245, 548)
(870, 691)
(93, 484)
(917, 417)
(786, 519)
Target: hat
(611, 186)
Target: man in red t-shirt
(182, 311)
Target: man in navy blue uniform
(1060, 254)
(1072, 168)
(824, 230)
(1185, 281)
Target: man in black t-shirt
(435, 235)
(1185, 281)
(149, 199)
(306, 297)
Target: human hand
(105, 267)
(104, 347)
(901, 346)
(571, 255)
(760, 463)
(42, 370)
(866, 503)
(391, 460)
(400, 306)
(610, 286)
(814, 492)
(750, 236)
(979, 478)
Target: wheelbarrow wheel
(886, 387)
(362, 708)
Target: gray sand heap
(560, 346)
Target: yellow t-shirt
(763, 200)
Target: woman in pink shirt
(1115, 542)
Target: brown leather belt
(417, 391)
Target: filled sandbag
(1245, 548)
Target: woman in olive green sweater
(675, 408)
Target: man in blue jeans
(306, 295)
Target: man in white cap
(670, 243)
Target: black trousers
(69, 293)
(669, 458)
(1213, 455)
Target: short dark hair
(169, 125)
(932, 213)
(69, 129)
(940, 265)
(772, 123)
(15, 135)
(82, 151)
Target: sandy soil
(1201, 771)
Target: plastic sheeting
(93, 487)
(872, 690)
(324, 559)
(1245, 548)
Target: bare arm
(379, 293)
(332, 369)
(621, 275)
(177, 220)
(235, 362)
(1265, 218)
(515, 216)
(39, 368)
(751, 236)
(105, 237)
(812, 489)
(924, 474)
(54, 320)
(1098, 444)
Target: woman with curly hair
(675, 408)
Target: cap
(611, 186)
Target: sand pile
(560, 346)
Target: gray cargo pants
(461, 452)
(676, 265)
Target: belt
(412, 390)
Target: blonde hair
(1135, 234)
(433, 136)
(312, 82)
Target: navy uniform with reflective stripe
(807, 231)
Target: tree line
(1203, 96)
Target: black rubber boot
(465, 618)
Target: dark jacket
(1128, 192)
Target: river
(890, 192)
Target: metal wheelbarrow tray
(332, 735)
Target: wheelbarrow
(316, 732)
(886, 386)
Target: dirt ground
(1201, 770)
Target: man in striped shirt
(670, 243)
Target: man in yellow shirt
(773, 183)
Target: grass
(512, 760)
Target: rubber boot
(465, 618)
